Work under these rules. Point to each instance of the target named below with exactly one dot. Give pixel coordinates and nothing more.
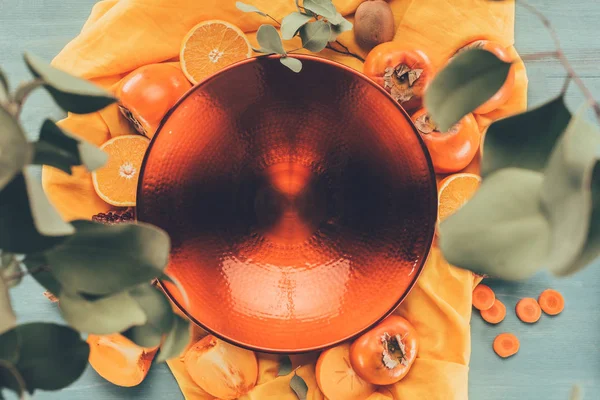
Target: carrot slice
(528, 310)
(506, 345)
(483, 297)
(495, 314)
(551, 302)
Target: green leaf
(315, 35)
(285, 366)
(248, 8)
(63, 150)
(8, 319)
(144, 335)
(70, 93)
(567, 193)
(502, 231)
(28, 223)
(105, 259)
(299, 387)
(37, 265)
(102, 316)
(324, 8)
(176, 341)
(15, 152)
(269, 40)
(468, 81)
(340, 28)
(9, 346)
(292, 63)
(51, 356)
(525, 140)
(292, 23)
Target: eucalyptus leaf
(525, 140)
(292, 23)
(269, 40)
(502, 231)
(292, 63)
(156, 307)
(28, 223)
(63, 150)
(103, 316)
(144, 335)
(567, 194)
(315, 35)
(105, 259)
(248, 8)
(15, 152)
(285, 366)
(9, 346)
(8, 319)
(51, 356)
(468, 81)
(70, 93)
(299, 387)
(340, 28)
(176, 341)
(324, 8)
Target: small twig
(562, 58)
(539, 56)
(24, 273)
(345, 52)
(21, 94)
(274, 20)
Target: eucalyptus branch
(560, 55)
(23, 91)
(345, 52)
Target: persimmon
(551, 302)
(119, 360)
(385, 354)
(223, 370)
(148, 93)
(505, 92)
(495, 314)
(528, 310)
(450, 151)
(404, 72)
(336, 377)
(506, 345)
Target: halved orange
(455, 190)
(116, 182)
(211, 46)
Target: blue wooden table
(555, 352)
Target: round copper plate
(301, 207)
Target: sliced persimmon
(483, 297)
(336, 378)
(551, 302)
(119, 360)
(528, 310)
(506, 345)
(495, 314)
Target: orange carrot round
(551, 302)
(528, 310)
(483, 297)
(495, 314)
(506, 345)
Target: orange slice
(116, 182)
(211, 46)
(455, 190)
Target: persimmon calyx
(400, 81)
(425, 125)
(394, 351)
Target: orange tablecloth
(122, 35)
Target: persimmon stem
(560, 55)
